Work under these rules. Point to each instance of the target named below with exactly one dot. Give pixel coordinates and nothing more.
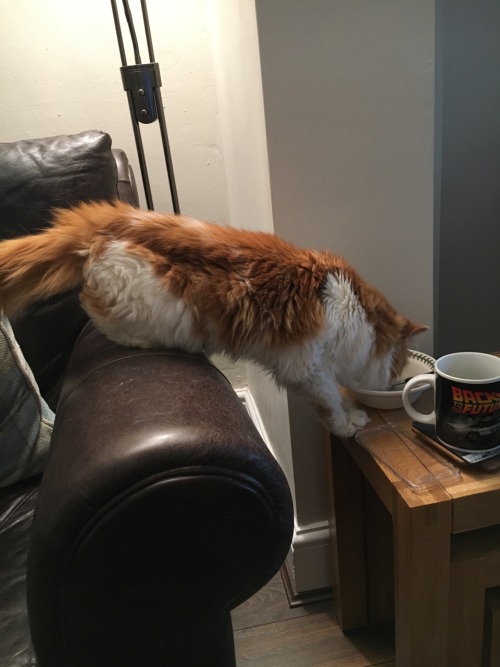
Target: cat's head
(390, 337)
(374, 338)
(393, 336)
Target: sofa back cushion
(37, 176)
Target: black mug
(467, 401)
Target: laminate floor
(268, 633)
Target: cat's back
(185, 236)
(170, 279)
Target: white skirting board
(247, 399)
(308, 564)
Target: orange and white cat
(150, 279)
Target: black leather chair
(160, 508)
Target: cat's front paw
(355, 419)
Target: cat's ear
(412, 329)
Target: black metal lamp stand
(142, 83)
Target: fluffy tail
(51, 262)
(39, 266)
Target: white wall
(61, 74)
(241, 107)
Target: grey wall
(349, 103)
(349, 107)
(467, 247)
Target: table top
(475, 493)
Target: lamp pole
(142, 83)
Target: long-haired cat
(150, 279)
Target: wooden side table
(399, 553)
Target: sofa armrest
(126, 186)
(160, 510)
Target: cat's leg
(337, 412)
(356, 416)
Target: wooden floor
(268, 633)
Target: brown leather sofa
(160, 508)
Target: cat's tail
(51, 262)
(39, 266)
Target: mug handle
(429, 418)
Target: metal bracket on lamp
(142, 83)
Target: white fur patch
(140, 311)
(349, 337)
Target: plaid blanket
(25, 419)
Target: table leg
(348, 539)
(474, 591)
(379, 557)
(422, 574)
(492, 628)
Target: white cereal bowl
(417, 363)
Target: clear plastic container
(419, 467)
